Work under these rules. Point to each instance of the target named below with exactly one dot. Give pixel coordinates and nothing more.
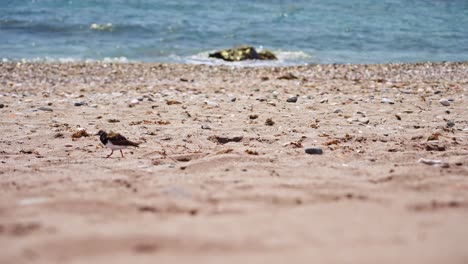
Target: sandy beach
(222, 174)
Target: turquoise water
(333, 31)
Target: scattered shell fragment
(444, 102)
(429, 161)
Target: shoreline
(214, 181)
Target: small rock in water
(44, 108)
(314, 151)
(292, 99)
(444, 102)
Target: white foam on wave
(102, 27)
(292, 55)
(285, 58)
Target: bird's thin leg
(110, 154)
(121, 153)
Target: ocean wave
(60, 27)
(66, 60)
(102, 27)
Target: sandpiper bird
(115, 141)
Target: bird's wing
(118, 139)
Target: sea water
(186, 31)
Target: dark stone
(223, 139)
(435, 146)
(292, 99)
(314, 151)
(79, 103)
(47, 109)
(2, 105)
(450, 123)
(288, 76)
(269, 122)
(243, 53)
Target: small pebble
(337, 110)
(450, 123)
(44, 108)
(207, 127)
(79, 103)
(444, 102)
(363, 120)
(233, 99)
(292, 99)
(386, 101)
(212, 103)
(133, 102)
(269, 122)
(2, 105)
(314, 151)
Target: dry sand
(213, 183)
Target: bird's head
(101, 132)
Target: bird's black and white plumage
(115, 141)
